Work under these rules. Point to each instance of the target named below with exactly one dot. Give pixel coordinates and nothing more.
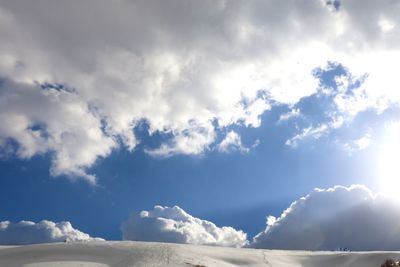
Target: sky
(204, 122)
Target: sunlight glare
(389, 164)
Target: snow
(66, 264)
(129, 253)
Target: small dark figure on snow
(390, 263)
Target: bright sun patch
(389, 164)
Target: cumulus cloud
(188, 69)
(232, 142)
(338, 217)
(165, 224)
(43, 119)
(27, 232)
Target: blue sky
(231, 118)
(234, 188)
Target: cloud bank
(77, 77)
(27, 232)
(338, 217)
(165, 224)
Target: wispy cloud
(232, 142)
(294, 113)
(358, 144)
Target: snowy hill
(120, 254)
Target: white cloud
(337, 105)
(386, 25)
(314, 132)
(327, 219)
(181, 67)
(43, 120)
(294, 113)
(231, 142)
(359, 144)
(165, 224)
(333, 122)
(192, 141)
(27, 232)
(256, 143)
